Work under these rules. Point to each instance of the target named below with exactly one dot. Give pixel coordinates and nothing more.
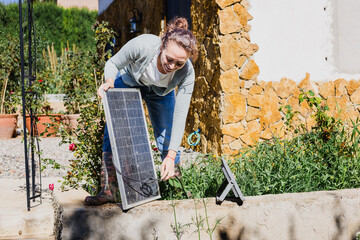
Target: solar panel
(132, 156)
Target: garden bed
(313, 215)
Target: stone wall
(232, 108)
(204, 112)
(223, 67)
(119, 13)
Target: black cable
(182, 186)
(145, 184)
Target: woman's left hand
(168, 166)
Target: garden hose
(197, 135)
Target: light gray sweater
(134, 57)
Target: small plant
(325, 124)
(210, 230)
(198, 220)
(177, 227)
(289, 118)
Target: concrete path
(16, 222)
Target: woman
(156, 66)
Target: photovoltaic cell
(132, 156)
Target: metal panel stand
(228, 184)
(28, 76)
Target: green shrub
(10, 86)
(59, 25)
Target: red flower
(51, 186)
(155, 149)
(72, 147)
(38, 119)
(41, 80)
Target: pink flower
(72, 147)
(11, 92)
(51, 186)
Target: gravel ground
(12, 157)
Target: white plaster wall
(300, 36)
(347, 35)
(90, 4)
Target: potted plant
(80, 84)
(9, 86)
(46, 121)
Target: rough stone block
(352, 86)
(229, 21)
(305, 82)
(235, 145)
(270, 108)
(228, 139)
(255, 89)
(249, 84)
(337, 105)
(255, 100)
(252, 134)
(242, 14)
(250, 70)
(224, 3)
(294, 103)
(355, 96)
(305, 109)
(233, 129)
(327, 89)
(247, 28)
(285, 88)
(246, 48)
(241, 61)
(234, 109)
(229, 52)
(252, 113)
(230, 81)
(340, 87)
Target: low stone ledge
(314, 215)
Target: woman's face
(172, 58)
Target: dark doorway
(178, 8)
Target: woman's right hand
(105, 86)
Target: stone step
(15, 220)
(28, 237)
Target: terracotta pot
(71, 121)
(42, 122)
(8, 123)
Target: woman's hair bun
(178, 22)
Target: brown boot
(109, 185)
